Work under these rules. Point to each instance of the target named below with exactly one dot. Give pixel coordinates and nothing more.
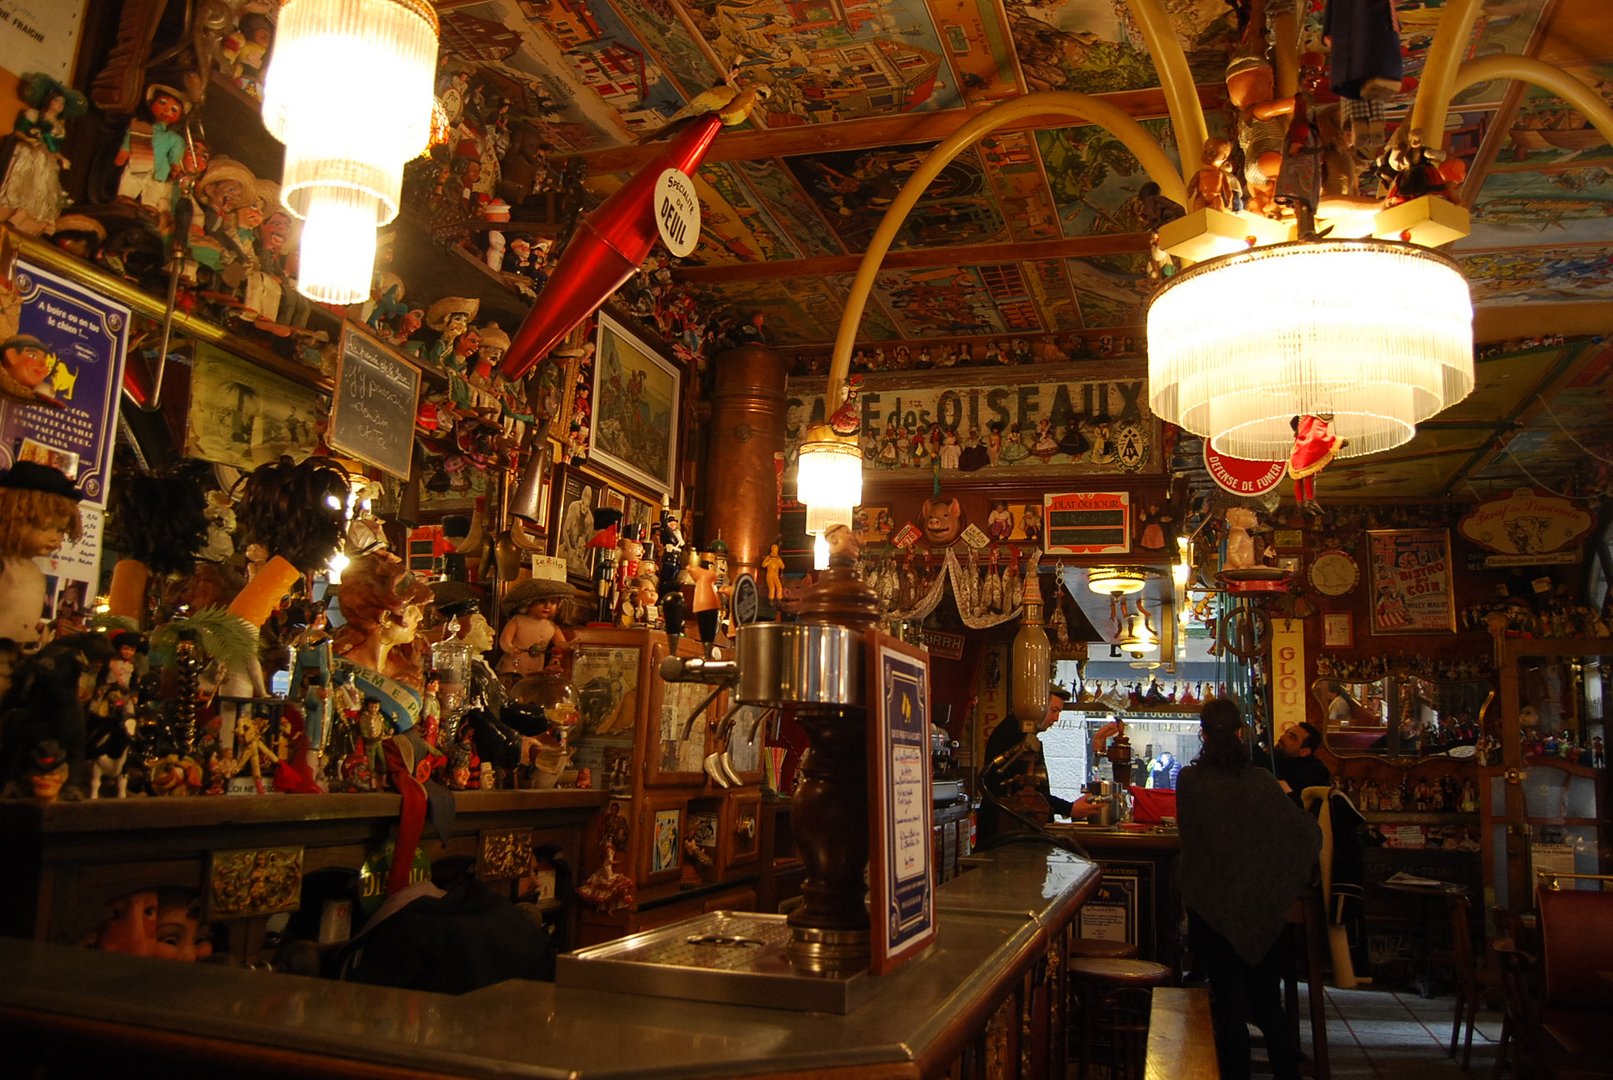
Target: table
(1422, 974)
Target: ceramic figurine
(450, 317)
(38, 511)
(152, 151)
(772, 573)
(31, 193)
(222, 191)
(530, 640)
(1315, 446)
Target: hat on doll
(32, 476)
(227, 168)
(79, 223)
(163, 88)
(1247, 61)
(437, 314)
(533, 589)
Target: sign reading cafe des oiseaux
(1081, 425)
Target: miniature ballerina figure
(530, 640)
(31, 193)
(1211, 187)
(1315, 446)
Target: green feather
(224, 637)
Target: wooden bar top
(917, 1019)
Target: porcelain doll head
(38, 510)
(382, 603)
(181, 934)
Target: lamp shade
(829, 478)
(1378, 334)
(338, 249)
(1116, 580)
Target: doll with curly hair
(38, 510)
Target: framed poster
(1338, 630)
(572, 523)
(663, 837)
(901, 907)
(1111, 912)
(1411, 581)
(1086, 523)
(245, 416)
(674, 758)
(637, 396)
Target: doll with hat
(31, 193)
(450, 317)
(152, 153)
(38, 510)
(530, 641)
(26, 366)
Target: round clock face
(1333, 573)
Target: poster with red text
(1411, 581)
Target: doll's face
(132, 926)
(411, 321)
(543, 609)
(275, 230)
(251, 216)
(225, 195)
(28, 364)
(165, 109)
(181, 935)
(195, 159)
(400, 628)
(467, 343)
(42, 538)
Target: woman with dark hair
(1247, 852)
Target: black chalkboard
(372, 414)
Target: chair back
(1576, 948)
(1463, 962)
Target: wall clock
(1334, 573)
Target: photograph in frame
(636, 409)
(572, 523)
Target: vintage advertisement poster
(61, 371)
(1411, 581)
(1006, 428)
(245, 416)
(901, 911)
(1528, 528)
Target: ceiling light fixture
(829, 478)
(1379, 359)
(1138, 638)
(1116, 580)
(349, 91)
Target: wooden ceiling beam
(921, 258)
(873, 131)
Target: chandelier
(1379, 334)
(349, 91)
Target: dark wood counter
(989, 990)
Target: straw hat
(178, 95)
(227, 168)
(80, 223)
(437, 314)
(493, 337)
(550, 584)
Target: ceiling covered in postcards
(1034, 232)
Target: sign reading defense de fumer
(901, 895)
(373, 411)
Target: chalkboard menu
(372, 414)
(1087, 523)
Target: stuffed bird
(732, 105)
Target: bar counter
(990, 986)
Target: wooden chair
(1474, 982)
(1309, 921)
(1535, 1052)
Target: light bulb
(820, 552)
(338, 249)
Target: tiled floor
(1383, 1034)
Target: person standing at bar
(1247, 853)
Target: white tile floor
(1383, 1034)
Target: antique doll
(382, 602)
(26, 365)
(38, 510)
(1299, 185)
(31, 194)
(450, 317)
(1365, 65)
(222, 191)
(1211, 187)
(530, 641)
(1315, 446)
(152, 151)
(1261, 129)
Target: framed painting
(663, 839)
(1411, 582)
(637, 397)
(571, 523)
(243, 415)
(1338, 630)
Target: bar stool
(1112, 996)
(1099, 948)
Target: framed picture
(611, 499)
(637, 408)
(674, 758)
(572, 523)
(1411, 581)
(663, 839)
(873, 524)
(1086, 523)
(1338, 630)
(605, 679)
(901, 893)
(243, 415)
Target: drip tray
(731, 958)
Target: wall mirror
(1403, 717)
